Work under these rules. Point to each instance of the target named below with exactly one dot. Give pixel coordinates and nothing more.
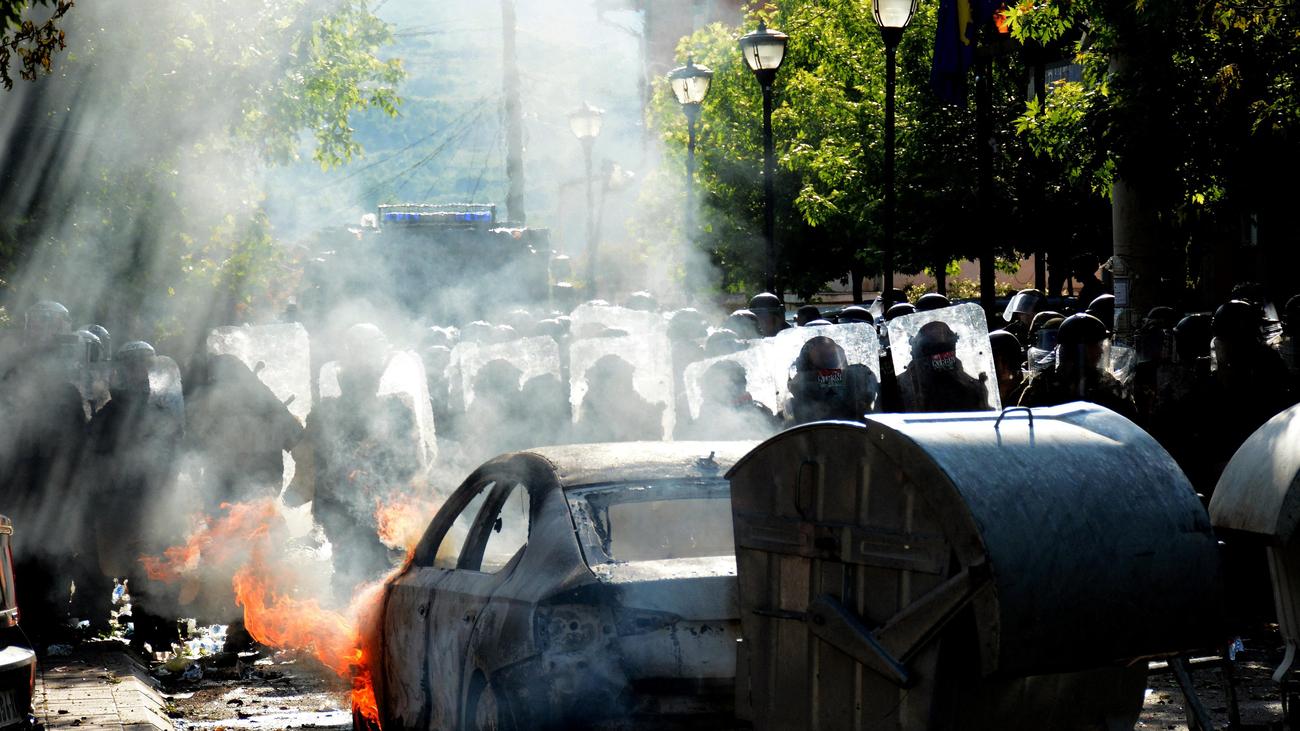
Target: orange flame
(401, 521)
(244, 541)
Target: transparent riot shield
(621, 388)
(590, 318)
(165, 387)
(768, 363)
(1123, 363)
(861, 347)
(533, 357)
(943, 361)
(280, 356)
(404, 379)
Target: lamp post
(690, 85)
(892, 16)
(764, 49)
(585, 123)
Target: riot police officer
(1079, 372)
(770, 312)
(936, 379)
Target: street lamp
(585, 123)
(892, 16)
(690, 85)
(764, 49)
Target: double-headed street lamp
(892, 16)
(690, 85)
(764, 49)
(585, 123)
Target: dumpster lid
(1257, 492)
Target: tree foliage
(138, 196)
(829, 131)
(33, 40)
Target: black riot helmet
(1081, 329)
(744, 323)
(105, 340)
(91, 348)
(898, 310)
(932, 301)
(1192, 337)
(770, 312)
(1235, 322)
(765, 302)
(1103, 308)
(46, 320)
(1006, 349)
(687, 324)
(856, 313)
(807, 314)
(935, 345)
(643, 301)
(1024, 305)
(131, 366)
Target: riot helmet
(818, 373)
(131, 366)
(1007, 358)
(770, 311)
(1023, 305)
(819, 322)
(1192, 337)
(46, 320)
(1236, 321)
(687, 324)
(1081, 343)
(643, 301)
(898, 310)
(935, 346)
(725, 383)
(105, 340)
(521, 320)
(1103, 308)
(723, 342)
(744, 323)
(91, 348)
(807, 314)
(365, 353)
(932, 301)
(856, 313)
(1291, 316)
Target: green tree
(34, 41)
(131, 187)
(828, 125)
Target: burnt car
(579, 586)
(17, 661)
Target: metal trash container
(1258, 497)
(966, 571)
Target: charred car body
(17, 661)
(568, 587)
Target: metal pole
(587, 144)
(1040, 253)
(984, 163)
(692, 112)
(892, 36)
(769, 189)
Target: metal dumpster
(965, 571)
(1258, 497)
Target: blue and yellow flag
(954, 45)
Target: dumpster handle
(997, 425)
(798, 487)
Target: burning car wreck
(590, 585)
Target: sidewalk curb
(100, 686)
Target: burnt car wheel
(486, 709)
